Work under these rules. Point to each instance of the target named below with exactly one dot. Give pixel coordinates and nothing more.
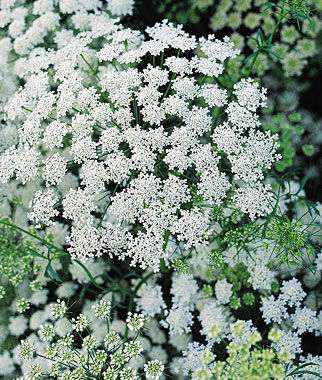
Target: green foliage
(183, 12)
(288, 128)
(289, 240)
(247, 360)
(215, 257)
(248, 299)
(308, 150)
(238, 276)
(240, 237)
(16, 263)
(179, 265)
(262, 44)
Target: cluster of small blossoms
(246, 359)
(209, 300)
(179, 318)
(288, 305)
(143, 139)
(44, 21)
(107, 358)
(295, 46)
(18, 268)
(30, 25)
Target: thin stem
(48, 244)
(269, 40)
(107, 206)
(91, 277)
(162, 58)
(90, 66)
(168, 88)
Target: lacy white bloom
(6, 364)
(192, 227)
(142, 145)
(304, 319)
(54, 169)
(120, 7)
(191, 357)
(290, 341)
(223, 291)
(18, 325)
(292, 292)
(184, 289)
(153, 369)
(273, 310)
(151, 300)
(43, 208)
(211, 315)
(179, 320)
(254, 199)
(249, 95)
(135, 321)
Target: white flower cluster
(142, 139)
(105, 355)
(210, 309)
(288, 308)
(28, 26)
(179, 318)
(151, 299)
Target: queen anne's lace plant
(211, 304)
(28, 26)
(143, 137)
(18, 267)
(246, 358)
(105, 358)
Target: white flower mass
(140, 136)
(153, 222)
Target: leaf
(35, 253)
(92, 279)
(296, 370)
(259, 347)
(270, 40)
(308, 149)
(310, 373)
(268, 7)
(250, 56)
(311, 205)
(311, 23)
(251, 38)
(52, 273)
(271, 4)
(273, 53)
(260, 35)
(303, 182)
(303, 372)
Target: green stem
(48, 244)
(90, 66)
(26, 109)
(269, 40)
(114, 64)
(162, 58)
(90, 276)
(169, 86)
(107, 206)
